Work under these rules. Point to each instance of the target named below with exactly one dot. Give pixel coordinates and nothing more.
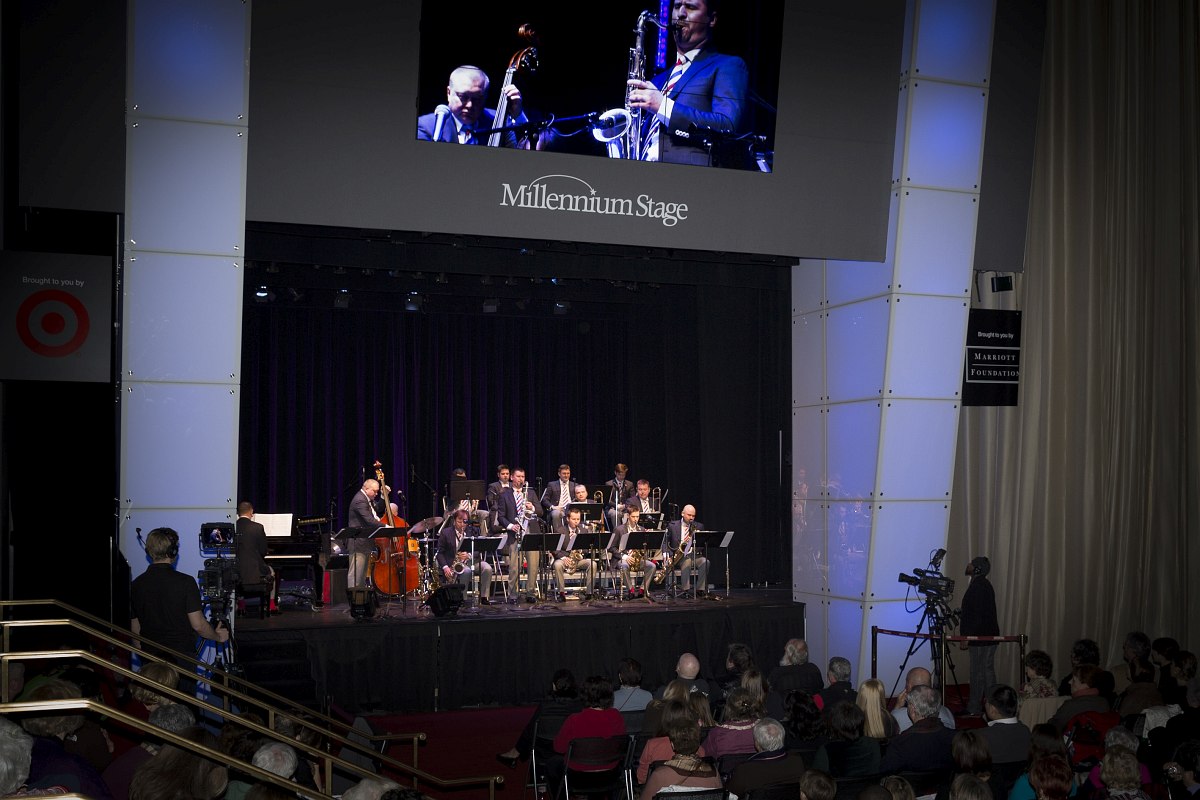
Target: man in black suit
(557, 495)
(1007, 737)
(616, 492)
(492, 498)
(564, 562)
(465, 119)
(641, 499)
(681, 533)
(455, 559)
(516, 524)
(252, 552)
(365, 510)
(925, 746)
(622, 559)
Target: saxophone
(622, 130)
(673, 560)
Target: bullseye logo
(53, 323)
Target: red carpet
(463, 744)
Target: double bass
(524, 59)
(393, 573)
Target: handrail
(7, 654)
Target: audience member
(50, 763)
(1162, 654)
(1085, 696)
(771, 762)
(241, 743)
(1120, 774)
(1084, 652)
(369, 789)
(1135, 655)
(849, 752)
(16, 750)
(308, 770)
(118, 776)
(1117, 737)
(839, 687)
(1039, 672)
(1142, 690)
(698, 701)
(1007, 737)
(1183, 667)
(179, 773)
(562, 702)
(926, 745)
(969, 787)
(1044, 740)
(630, 696)
(1179, 728)
(873, 791)
(598, 719)
(971, 757)
(685, 768)
(677, 713)
(738, 659)
(917, 676)
(767, 700)
(687, 669)
(676, 691)
(1183, 771)
(804, 730)
(402, 793)
(900, 789)
(795, 672)
(817, 785)
(872, 699)
(735, 733)
(90, 740)
(277, 758)
(1050, 778)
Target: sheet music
(276, 525)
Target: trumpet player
(617, 490)
(456, 561)
(516, 513)
(571, 560)
(633, 559)
(680, 542)
(557, 495)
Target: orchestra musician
(558, 494)
(681, 532)
(455, 559)
(627, 560)
(570, 560)
(494, 489)
(365, 511)
(616, 492)
(510, 519)
(641, 500)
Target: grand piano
(299, 560)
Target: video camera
(931, 583)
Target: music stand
(483, 546)
(652, 520)
(590, 512)
(702, 540)
(536, 541)
(466, 490)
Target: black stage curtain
(691, 390)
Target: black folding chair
(595, 766)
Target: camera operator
(166, 607)
(979, 619)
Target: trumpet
(622, 134)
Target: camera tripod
(939, 618)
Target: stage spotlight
(342, 298)
(263, 295)
(413, 302)
(491, 305)
(262, 292)
(561, 307)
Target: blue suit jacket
(427, 122)
(710, 95)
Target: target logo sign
(53, 323)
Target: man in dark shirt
(252, 553)
(926, 745)
(979, 619)
(839, 687)
(771, 763)
(795, 671)
(166, 608)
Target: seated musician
(571, 560)
(616, 492)
(633, 559)
(519, 520)
(641, 500)
(252, 553)
(680, 552)
(455, 560)
(558, 494)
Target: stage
(406, 659)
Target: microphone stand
(412, 470)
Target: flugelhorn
(621, 131)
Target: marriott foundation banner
(58, 317)
(992, 372)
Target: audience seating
(1037, 710)
(603, 759)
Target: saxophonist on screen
(680, 552)
(703, 91)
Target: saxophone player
(570, 560)
(455, 559)
(679, 541)
(634, 559)
(516, 513)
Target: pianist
(252, 553)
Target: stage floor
(407, 659)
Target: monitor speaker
(446, 599)
(363, 604)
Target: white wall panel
(848, 541)
(917, 454)
(945, 135)
(936, 242)
(904, 536)
(856, 349)
(189, 59)
(186, 186)
(808, 356)
(808, 285)
(174, 457)
(953, 40)
(927, 335)
(180, 321)
(852, 442)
